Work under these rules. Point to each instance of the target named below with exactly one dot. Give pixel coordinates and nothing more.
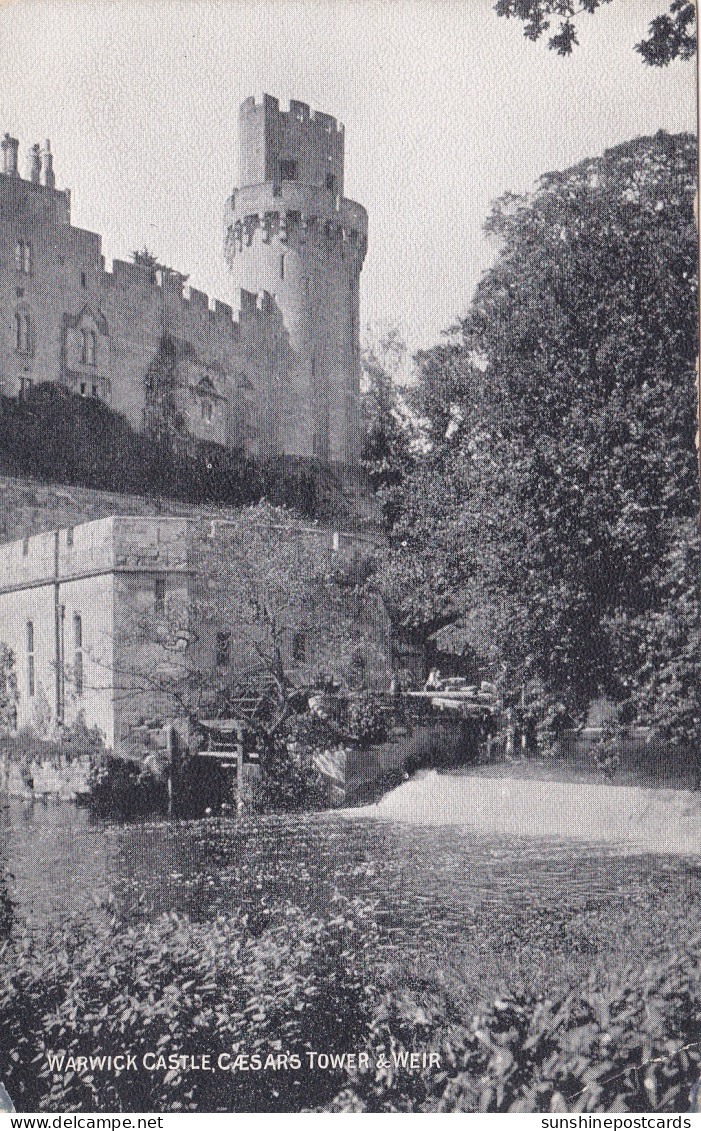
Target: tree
(270, 603)
(536, 530)
(671, 35)
(390, 430)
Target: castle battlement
(274, 372)
(298, 110)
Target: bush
(56, 435)
(181, 988)
(366, 720)
(289, 779)
(123, 789)
(625, 1041)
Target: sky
(445, 108)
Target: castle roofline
(296, 109)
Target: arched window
(88, 350)
(23, 257)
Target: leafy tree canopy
(544, 529)
(671, 35)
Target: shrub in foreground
(627, 1041)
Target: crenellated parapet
(165, 288)
(296, 216)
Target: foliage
(570, 476)
(665, 688)
(279, 586)
(76, 743)
(624, 1039)
(8, 689)
(122, 789)
(175, 987)
(367, 722)
(58, 436)
(390, 430)
(672, 34)
(289, 779)
(607, 748)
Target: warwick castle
(281, 378)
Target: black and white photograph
(350, 645)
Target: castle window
(159, 602)
(282, 266)
(25, 387)
(23, 332)
(69, 536)
(223, 656)
(78, 649)
(83, 388)
(31, 672)
(23, 257)
(83, 279)
(331, 183)
(288, 170)
(88, 347)
(94, 390)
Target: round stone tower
(291, 233)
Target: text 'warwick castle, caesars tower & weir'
(292, 234)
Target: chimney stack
(47, 166)
(10, 150)
(34, 165)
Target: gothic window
(288, 170)
(282, 266)
(31, 672)
(23, 257)
(88, 349)
(206, 408)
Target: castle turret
(290, 232)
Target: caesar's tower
(293, 239)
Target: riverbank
(648, 820)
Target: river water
(429, 885)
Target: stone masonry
(280, 379)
